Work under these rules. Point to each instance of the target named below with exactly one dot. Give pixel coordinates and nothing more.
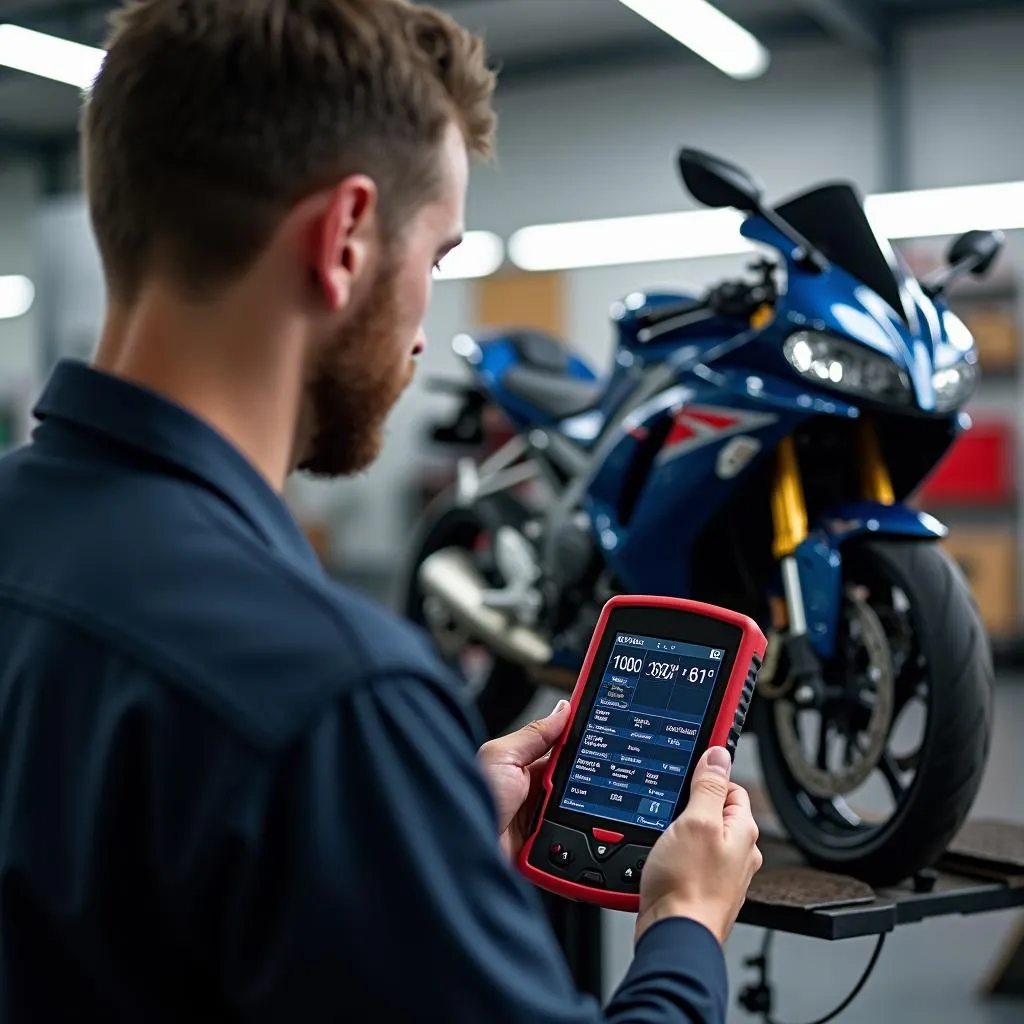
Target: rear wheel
(877, 779)
(501, 689)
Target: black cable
(758, 998)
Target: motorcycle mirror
(716, 182)
(976, 251)
(973, 253)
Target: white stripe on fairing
(927, 309)
(639, 416)
(884, 314)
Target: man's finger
(710, 786)
(526, 745)
(737, 797)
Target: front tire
(941, 655)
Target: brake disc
(863, 756)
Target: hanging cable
(757, 998)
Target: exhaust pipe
(450, 576)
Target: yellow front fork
(875, 483)
(789, 514)
(789, 510)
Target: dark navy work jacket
(231, 789)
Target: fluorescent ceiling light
(948, 211)
(17, 293)
(696, 234)
(478, 255)
(708, 32)
(624, 240)
(49, 57)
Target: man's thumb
(534, 740)
(710, 784)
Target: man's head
(323, 142)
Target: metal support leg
(577, 926)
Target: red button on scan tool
(602, 835)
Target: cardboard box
(513, 299)
(988, 558)
(997, 337)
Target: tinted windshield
(832, 218)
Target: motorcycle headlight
(954, 385)
(844, 365)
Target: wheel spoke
(891, 772)
(910, 762)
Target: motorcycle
(755, 447)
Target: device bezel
(659, 622)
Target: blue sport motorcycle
(754, 447)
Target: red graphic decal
(680, 432)
(713, 419)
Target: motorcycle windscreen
(832, 218)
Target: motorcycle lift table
(983, 870)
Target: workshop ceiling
(527, 38)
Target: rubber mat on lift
(807, 888)
(989, 846)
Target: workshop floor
(927, 973)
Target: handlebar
(736, 298)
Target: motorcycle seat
(541, 351)
(543, 376)
(557, 395)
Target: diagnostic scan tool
(664, 679)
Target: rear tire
(506, 691)
(957, 670)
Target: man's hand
(702, 865)
(513, 766)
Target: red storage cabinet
(979, 469)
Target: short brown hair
(210, 118)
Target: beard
(356, 380)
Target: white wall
(966, 86)
(604, 144)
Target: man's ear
(342, 237)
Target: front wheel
(877, 778)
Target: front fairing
(928, 337)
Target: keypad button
(602, 851)
(592, 878)
(560, 855)
(630, 875)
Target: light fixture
(931, 212)
(48, 56)
(617, 241)
(17, 293)
(624, 240)
(479, 254)
(703, 28)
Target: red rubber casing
(752, 646)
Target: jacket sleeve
(373, 888)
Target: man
(231, 790)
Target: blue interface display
(638, 741)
